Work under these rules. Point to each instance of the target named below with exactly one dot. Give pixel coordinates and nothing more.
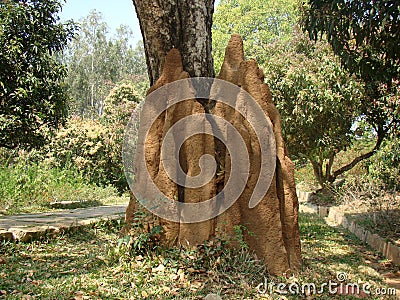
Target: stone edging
(29, 233)
(335, 216)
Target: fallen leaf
(181, 275)
(36, 282)
(196, 284)
(79, 295)
(158, 269)
(144, 294)
(139, 258)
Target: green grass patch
(31, 187)
(94, 263)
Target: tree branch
(362, 157)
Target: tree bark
(180, 24)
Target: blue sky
(115, 13)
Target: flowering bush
(120, 103)
(94, 147)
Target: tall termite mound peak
(273, 223)
(272, 230)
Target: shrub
(120, 103)
(384, 166)
(94, 147)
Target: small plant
(144, 236)
(240, 231)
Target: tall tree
(318, 100)
(365, 36)
(32, 97)
(86, 59)
(259, 22)
(177, 42)
(96, 62)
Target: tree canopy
(318, 100)
(259, 22)
(32, 95)
(365, 35)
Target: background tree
(88, 73)
(32, 96)
(318, 101)
(259, 22)
(97, 62)
(365, 36)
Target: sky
(115, 13)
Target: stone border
(387, 248)
(22, 233)
(335, 216)
(69, 204)
(303, 196)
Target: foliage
(259, 22)
(96, 63)
(317, 99)
(94, 147)
(32, 96)
(384, 166)
(91, 147)
(365, 35)
(28, 186)
(120, 103)
(143, 240)
(93, 263)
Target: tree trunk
(177, 40)
(184, 25)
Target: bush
(384, 166)
(120, 103)
(94, 147)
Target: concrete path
(26, 227)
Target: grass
(94, 263)
(30, 187)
